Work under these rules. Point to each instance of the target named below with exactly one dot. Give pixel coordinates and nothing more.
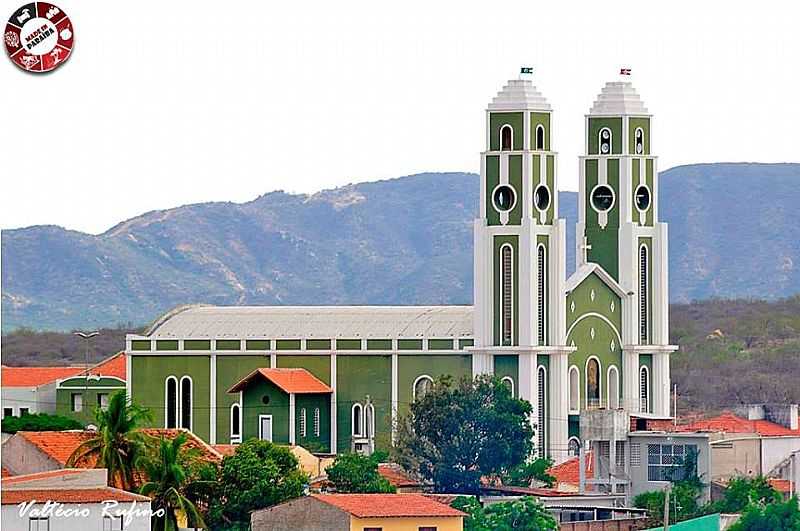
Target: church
(335, 378)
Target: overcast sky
(169, 103)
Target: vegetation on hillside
(26, 347)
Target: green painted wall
(107, 386)
(549, 180)
(166, 344)
(278, 407)
(492, 180)
(148, 376)
(312, 442)
(440, 344)
(318, 344)
(358, 375)
(515, 180)
(409, 344)
(231, 369)
(229, 344)
(379, 344)
(497, 120)
(508, 365)
(317, 364)
(197, 344)
(595, 125)
(498, 242)
(647, 361)
(543, 119)
(638, 166)
(412, 366)
(287, 344)
(604, 241)
(633, 123)
(257, 344)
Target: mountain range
(733, 234)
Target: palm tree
(169, 478)
(118, 445)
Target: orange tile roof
(396, 475)
(6, 473)
(88, 495)
(388, 505)
(113, 366)
(225, 449)
(59, 445)
(41, 475)
(35, 376)
(784, 486)
(569, 471)
(289, 380)
(730, 423)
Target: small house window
(8, 412)
(316, 422)
(113, 523)
(77, 402)
(506, 138)
(102, 401)
(39, 523)
(358, 420)
(540, 137)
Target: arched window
(542, 427)
(236, 423)
(644, 313)
(574, 446)
(542, 294)
(369, 413)
(644, 390)
(507, 291)
(302, 422)
(574, 389)
(358, 420)
(605, 141)
(422, 385)
(506, 138)
(613, 388)
(540, 137)
(186, 403)
(592, 383)
(638, 140)
(316, 422)
(509, 382)
(171, 402)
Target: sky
(171, 103)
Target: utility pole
(666, 506)
(86, 337)
(675, 405)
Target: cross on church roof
(585, 247)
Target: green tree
(168, 481)
(459, 432)
(355, 473)
(524, 514)
(118, 445)
(39, 422)
(742, 492)
(776, 516)
(259, 474)
(528, 472)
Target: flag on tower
(526, 70)
(624, 71)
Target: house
(31, 389)
(568, 474)
(71, 500)
(401, 480)
(29, 452)
(359, 512)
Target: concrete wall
(20, 397)
(21, 457)
(90, 519)
(639, 474)
(776, 449)
(629, 524)
(301, 514)
(735, 456)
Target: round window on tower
(639, 140)
(504, 198)
(605, 141)
(541, 198)
(642, 196)
(602, 198)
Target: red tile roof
(784, 486)
(289, 380)
(88, 495)
(388, 505)
(6, 473)
(59, 445)
(41, 475)
(569, 471)
(397, 476)
(730, 423)
(113, 366)
(225, 449)
(35, 376)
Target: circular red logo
(39, 37)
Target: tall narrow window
(574, 446)
(77, 402)
(542, 384)
(507, 277)
(542, 289)
(613, 388)
(506, 137)
(421, 386)
(592, 384)
(236, 423)
(574, 389)
(540, 137)
(605, 141)
(644, 314)
(509, 382)
(644, 390)
(358, 420)
(171, 403)
(186, 403)
(316, 422)
(369, 420)
(302, 422)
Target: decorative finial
(624, 71)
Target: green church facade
(595, 340)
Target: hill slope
(401, 241)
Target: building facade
(596, 340)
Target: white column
(213, 399)
(395, 395)
(559, 406)
(527, 384)
(291, 418)
(630, 380)
(660, 383)
(333, 403)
